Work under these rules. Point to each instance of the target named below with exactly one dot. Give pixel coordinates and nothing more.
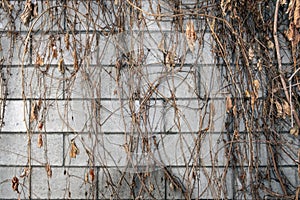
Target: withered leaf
(278, 109)
(161, 45)
(67, 41)
(75, 65)
(247, 94)
(286, 108)
(74, 151)
(39, 61)
(234, 110)
(251, 53)
(26, 14)
(228, 104)
(92, 174)
(35, 9)
(86, 177)
(40, 125)
(61, 66)
(297, 14)
(256, 84)
(126, 147)
(170, 59)
(40, 140)
(25, 172)
(294, 131)
(48, 170)
(15, 184)
(191, 35)
(34, 112)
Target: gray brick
(14, 117)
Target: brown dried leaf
(74, 149)
(34, 112)
(48, 170)
(61, 65)
(256, 84)
(161, 45)
(278, 109)
(39, 61)
(25, 172)
(170, 59)
(297, 14)
(270, 44)
(251, 53)
(35, 9)
(234, 110)
(40, 140)
(26, 15)
(15, 184)
(225, 5)
(236, 134)
(228, 104)
(253, 99)
(247, 94)
(191, 35)
(294, 131)
(67, 41)
(40, 125)
(126, 147)
(291, 8)
(86, 177)
(286, 108)
(76, 67)
(92, 174)
(290, 32)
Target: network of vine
(64, 55)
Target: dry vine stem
(199, 114)
(295, 114)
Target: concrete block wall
(136, 129)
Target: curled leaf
(190, 35)
(170, 59)
(76, 67)
(294, 131)
(92, 174)
(74, 149)
(15, 184)
(251, 53)
(27, 13)
(228, 104)
(39, 61)
(61, 66)
(278, 109)
(256, 84)
(25, 172)
(86, 177)
(286, 108)
(297, 14)
(40, 126)
(234, 110)
(34, 112)
(247, 94)
(40, 140)
(48, 170)
(67, 41)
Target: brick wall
(139, 126)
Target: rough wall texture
(104, 101)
